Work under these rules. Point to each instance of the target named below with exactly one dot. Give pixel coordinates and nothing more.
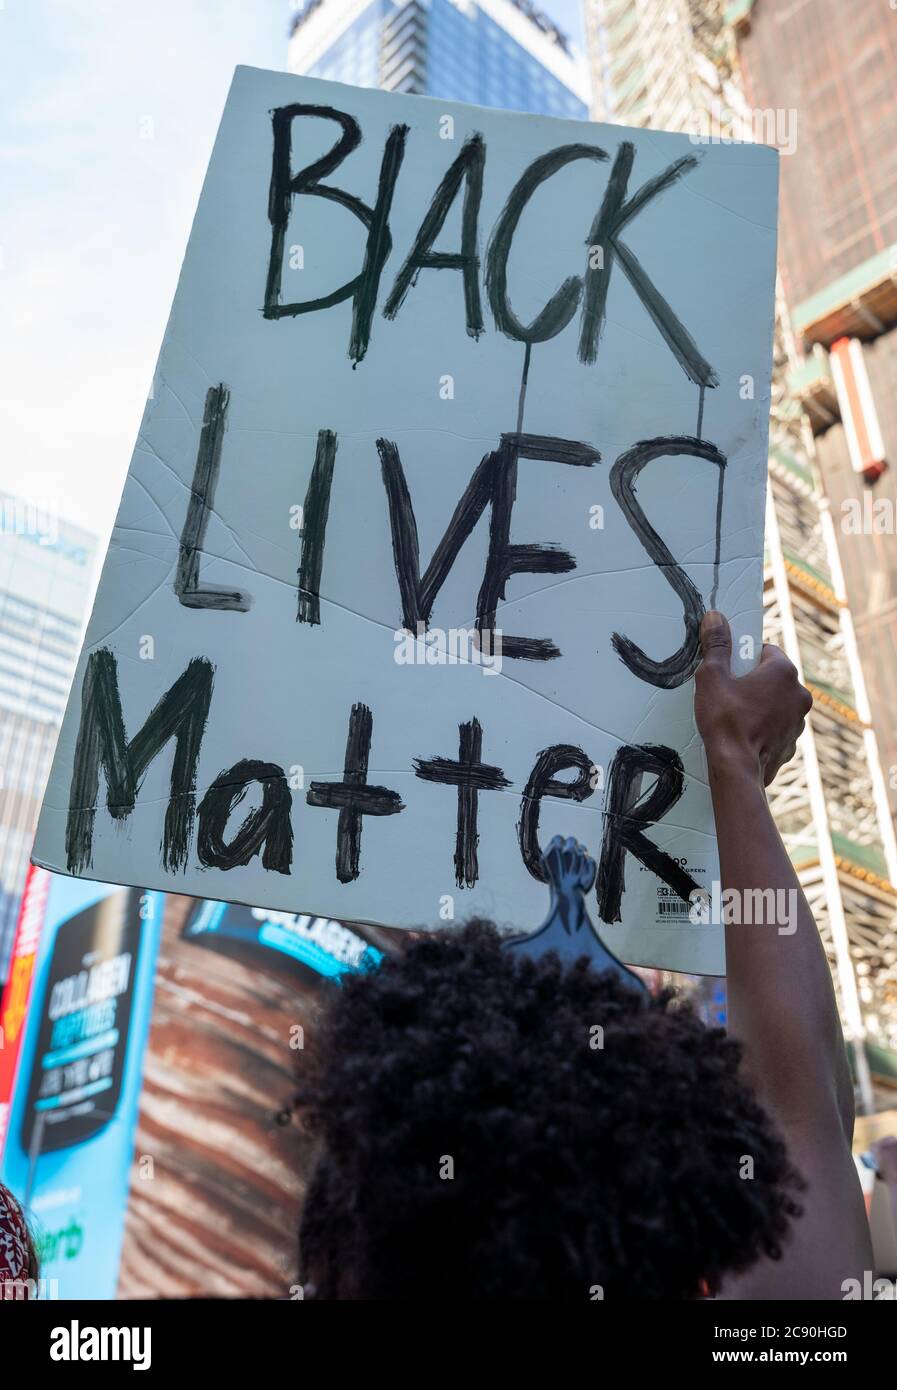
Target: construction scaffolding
(669, 64)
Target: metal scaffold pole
(851, 1008)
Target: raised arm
(781, 1003)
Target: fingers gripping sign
(751, 721)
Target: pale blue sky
(108, 111)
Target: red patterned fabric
(14, 1243)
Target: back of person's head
(493, 1126)
(18, 1258)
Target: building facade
(500, 53)
(835, 67)
(46, 578)
(655, 62)
(679, 64)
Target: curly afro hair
(493, 1126)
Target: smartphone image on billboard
(76, 1075)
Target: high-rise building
(675, 64)
(46, 572)
(832, 68)
(653, 62)
(502, 53)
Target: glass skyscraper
(46, 571)
(500, 53)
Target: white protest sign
(459, 424)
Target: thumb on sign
(749, 724)
(716, 640)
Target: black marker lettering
(352, 797)
(683, 663)
(419, 594)
(314, 528)
(560, 309)
(199, 508)
(627, 817)
(468, 166)
(612, 217)
(285, 186)
(470, 776)
(269, 826)
(181, 714)
(505, 559)
(543, 782)
(494, 481)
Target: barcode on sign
(677, 907)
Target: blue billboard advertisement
(73, 1113)
(325, 947)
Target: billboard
(221, 1160)
(152, 1053)
(73, 1108)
